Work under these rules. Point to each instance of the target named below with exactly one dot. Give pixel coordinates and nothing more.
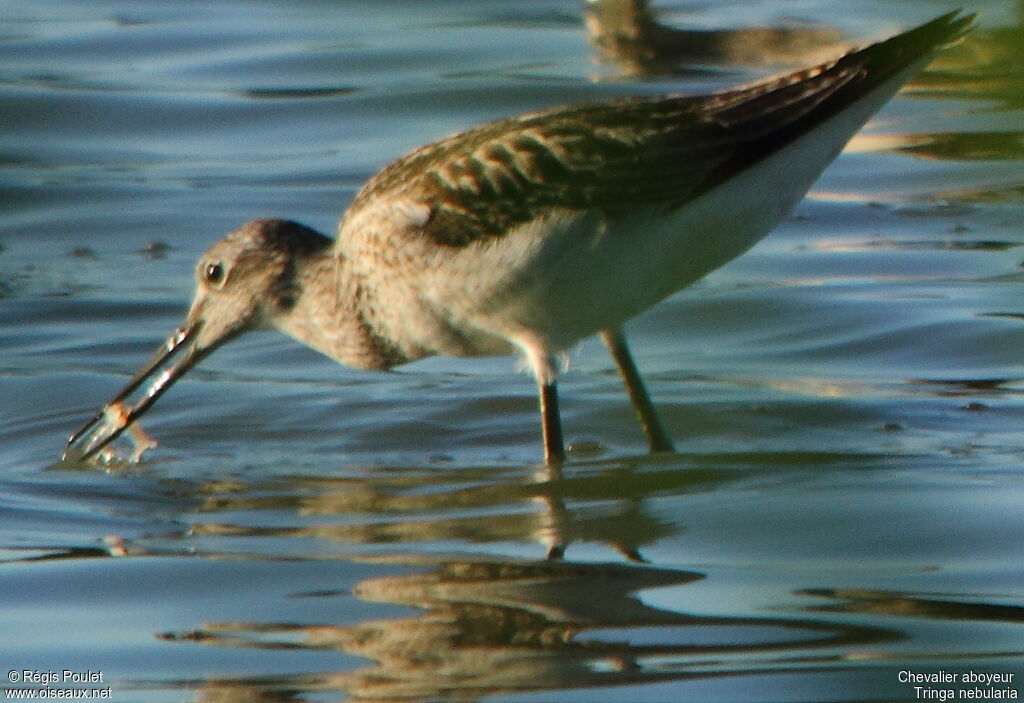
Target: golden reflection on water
(985, 68)
(988, 65)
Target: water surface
(846, 398)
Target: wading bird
(531, 233)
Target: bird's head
(242, 282)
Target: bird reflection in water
(491, 627)
(484, 625)
(628, 36)
(601, 503)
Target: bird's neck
(327, 315)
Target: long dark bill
(170, 362)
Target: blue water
(846, 399)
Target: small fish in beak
(170, 362)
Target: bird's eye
(214, 273)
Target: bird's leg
(555, 515)
(553, 534)
(551, 423)
(657, 438)
(542, 363)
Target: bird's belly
(566, 277)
